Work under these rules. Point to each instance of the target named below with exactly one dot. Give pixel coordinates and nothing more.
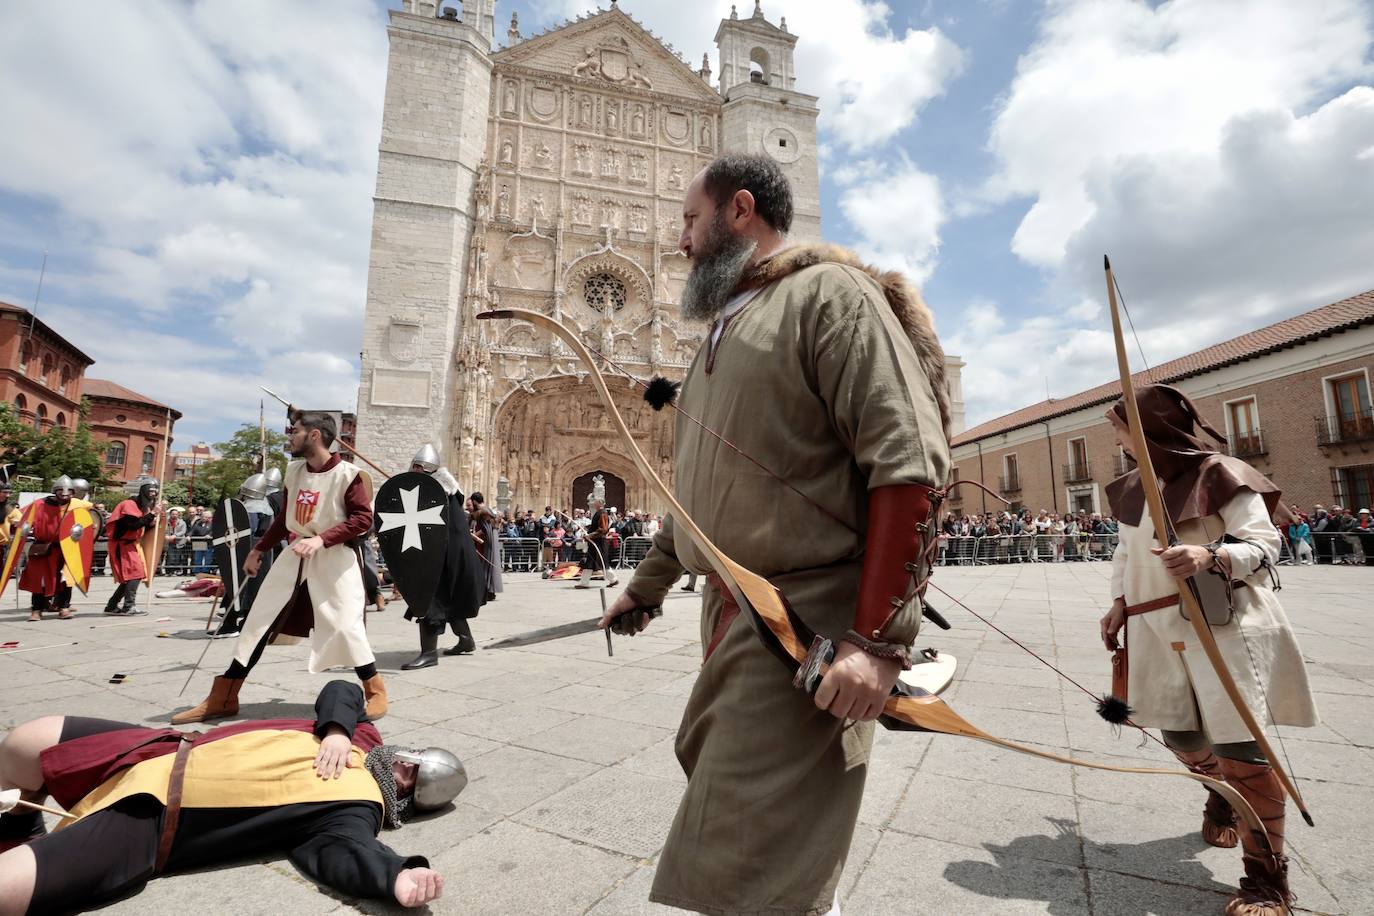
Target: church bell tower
(764, 113)
(434, 123)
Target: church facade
(549, 175)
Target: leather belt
(173, 813)
(1146, 607)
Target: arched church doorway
(582, 490)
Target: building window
(21, 403)
(1243, 419)
(1011, 475)
(47, 367)
(1350, 402)
(758, 66)
(1076, 471)
(149, 454)
(114, 454)
(40, 415)
(604, 289)
(66, 379)
(61, 420)
(1353, 487)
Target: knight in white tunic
(315, 588)
(1223, 512)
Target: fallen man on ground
(144, 801)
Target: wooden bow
(788, 637)
(1165, 535)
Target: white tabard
(314, 503)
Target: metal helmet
(274, 481)
(255, 487)
(439, 776)
(81, 487)
(62, 486)
(427, 457)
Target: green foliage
(240, 458)
(51, 454)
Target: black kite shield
(231, 535)
(412, 519)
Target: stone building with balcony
(41, 372)
(1292, 398)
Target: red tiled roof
(1329, 319)
(103, 388)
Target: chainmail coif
(379, 763)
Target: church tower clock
(763, 112)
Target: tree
(239, 458)
(49, 455)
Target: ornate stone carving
(503, 202)
(675, 180)
(507, 157)
(543, 157)
(510, 94)
(610, 163)
(582, 210)
(639, 218)
(637, 121)
(404, 338)
(613, 118)
(582, 159)
(639, 167)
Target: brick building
(197, 457)
(133, 428)
(1293, 399)
(41, 372)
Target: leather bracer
(898, 557)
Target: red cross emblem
(306, 501)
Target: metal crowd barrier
(1025, 548)
(1342, 548)
(520, 554)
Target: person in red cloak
(125, 529)
(42, 576)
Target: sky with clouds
(201, 175)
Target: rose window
(602, 289)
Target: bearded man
(145, 801)
(315, 587)
(831, 372)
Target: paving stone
(511, 779)
(595, 739)
(615, 809)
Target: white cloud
(214, 171)
(1122, 79)
(896, 211)
(1219, 150)
(872, 80)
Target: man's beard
(298, 452)
(716, 270)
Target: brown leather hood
(903, 298)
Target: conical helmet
(439, 776)
(81, 487)
(255, 487)
(427, 457)
(62, 486)
(274, 482)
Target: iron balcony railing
(1248, 445)
(1078, 472)
(1346, 427)
(1122, 464)
(1009, 484)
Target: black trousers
(62, 599)
(128, 591)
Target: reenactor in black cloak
(463, 583)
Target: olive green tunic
(817, 379)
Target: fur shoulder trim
(446, 480)
(903, 298)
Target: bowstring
(1121, 298)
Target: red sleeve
(275, 532)
(359, 509)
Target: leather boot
(1264, 889)
(222, 702)
(1219, 821)
(429, 655)
(465, 645)
(374, 692)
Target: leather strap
(173, 813)
(728, 612)
(1158, 604)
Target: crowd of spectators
(1022, 536)
(543, 540)
(1336, 536)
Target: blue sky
(202, 181)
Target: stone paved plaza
(574, 782)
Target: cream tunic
(1169, 687)
(334, 575)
